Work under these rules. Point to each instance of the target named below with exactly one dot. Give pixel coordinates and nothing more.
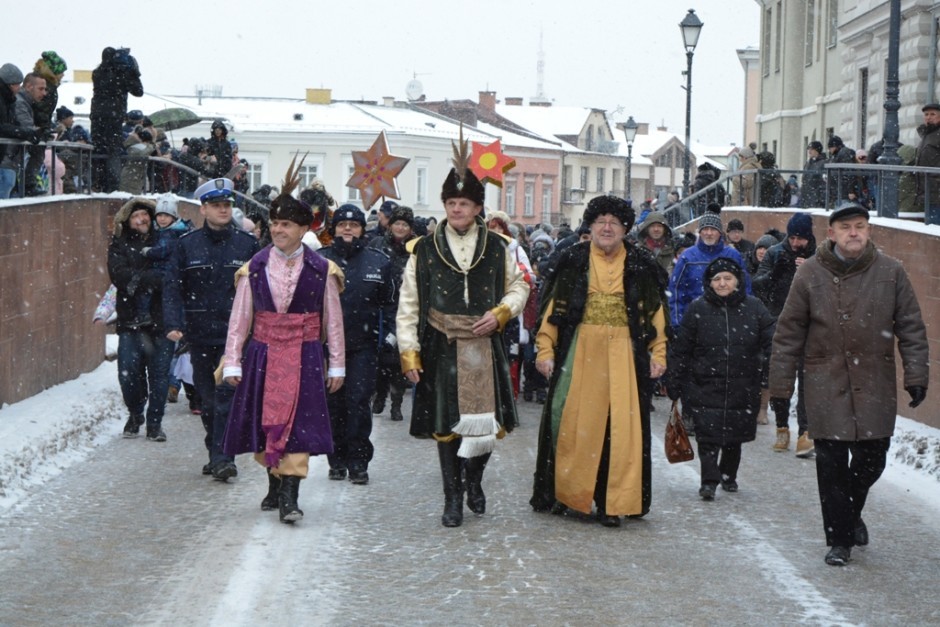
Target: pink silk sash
(284, 335)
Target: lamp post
(888, 203)
(629, 131)
(691, 28)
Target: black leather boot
(287, 499)
(453, 486)
(397, 395)
(270, 501)
(474, 467)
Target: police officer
(197, 300)
(369, 293)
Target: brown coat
(744, 195)
(844, 320)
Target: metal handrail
(179, 166)
(82, 148)
(693, 206)
(85, 166)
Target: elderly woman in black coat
(716, 365)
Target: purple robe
(311, 429)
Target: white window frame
(350, 194)
(422, 167)
(548, 195)
(528, 205)
(510, 183)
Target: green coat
(441, 286)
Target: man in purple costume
(287, 299)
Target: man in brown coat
(845, 307)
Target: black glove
(783, 265)
(673, 392)
(918, 394)
(35, 136)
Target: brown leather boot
(764, 401)
(783, 439)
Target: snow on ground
(46, 434)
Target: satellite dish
(414, 89)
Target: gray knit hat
(168, 204)
(10, 74)
(711, 220)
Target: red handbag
(678, 447)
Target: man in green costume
(459, 289)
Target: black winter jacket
(776, 272)
(814, 183)
(717, 362)
(8, 126)
(200, 282)
(368, 298)
(221, 149)
(133, 276)
(117, 76)
(844, 182)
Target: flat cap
(848, 209)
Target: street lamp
(887, 204)
(629, 131)
(691, 28)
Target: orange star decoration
(376, 172)
(489, 164)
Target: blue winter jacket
(685, 284)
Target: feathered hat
(285, 206)
(461, 182)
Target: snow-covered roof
(287, 115)
(514, 140)
(650, 143)
(547, 121)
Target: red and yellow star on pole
(489, 164)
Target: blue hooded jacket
(685, 284)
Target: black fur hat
(286, 207)
(461, 182)
(617, 207)
(404, 214)
(467, 186)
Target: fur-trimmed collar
(132, 205)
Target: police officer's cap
(216, 190)
(348, 212)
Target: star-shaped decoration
(376, 171)
(489, 164)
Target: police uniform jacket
(200, 282)
(368, 297)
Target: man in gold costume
(602, 338)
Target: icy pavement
(98, 530)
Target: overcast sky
(605, 54)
